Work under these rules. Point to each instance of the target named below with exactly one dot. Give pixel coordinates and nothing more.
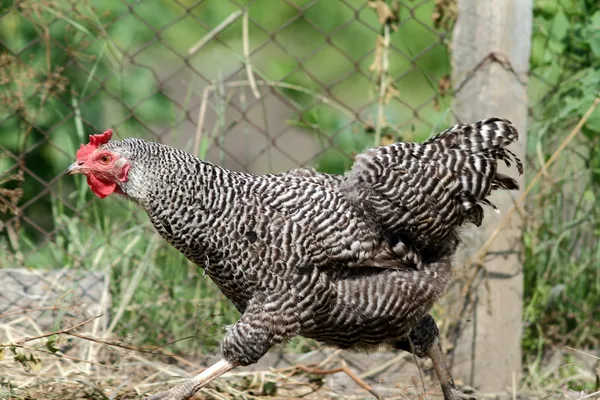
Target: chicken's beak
(75, 168)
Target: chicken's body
(353, 262)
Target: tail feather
(422, 192)
(475, 215)
(488, 134)
(505, 182)
(483, 143)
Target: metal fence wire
(260, 86)
(267, 86)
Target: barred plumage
(353, 261)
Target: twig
(471, 279)
(214, 393)
(359, 381)
(589, 395)
(383, 366)
(246, 46)
(201, 116)
(45, 335)
(217, 29)
(385, 62)
(132, 348)
(59, 355)
(28, 310)
(330, 357)
(344, 368)
(483, 250)
(582, 352)
(310, 370)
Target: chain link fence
(259, 87)
(264, 86)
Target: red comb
(95, 142)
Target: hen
(353, 261)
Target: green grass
(562, 231)
(157, 298)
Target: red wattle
(99, 187)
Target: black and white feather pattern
(353, 261)
(420, 193)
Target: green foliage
(156, 300)
(28, 362)
(562, 260)
(51, 344)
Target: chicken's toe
(182, 392)
(455, 394)
(164, 395)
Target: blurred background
(267, 86)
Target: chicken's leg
(188, 389)
(441, 369)
(424, 342)
(245, 343)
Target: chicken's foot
(443, 372)
(186, 390)
(424, 341)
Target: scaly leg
(443, 372)
(245, 343)
(424, 342)
(188, 389)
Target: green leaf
(50, 344)
(593, 123)
(75, 24)
(592, 33)
(560, 26)
(546, 7)
(269, 389)
(538, 49)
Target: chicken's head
(104, 168)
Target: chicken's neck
(191, 204)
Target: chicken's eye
(105, 159)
